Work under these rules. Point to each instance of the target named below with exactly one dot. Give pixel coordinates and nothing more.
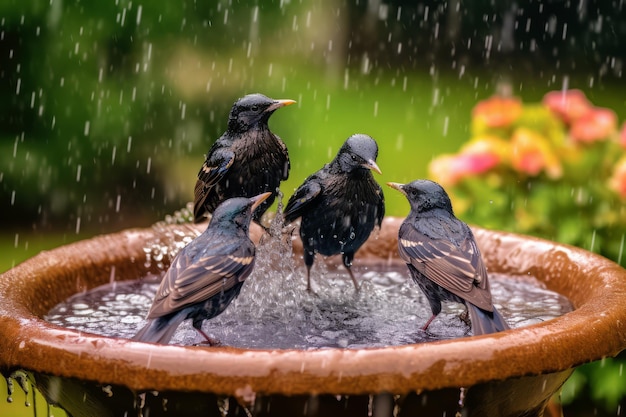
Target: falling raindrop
(139, 11)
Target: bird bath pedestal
(513, 373)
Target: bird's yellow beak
(397, 186)
(257, 200)
(277, 104)
(371, 164)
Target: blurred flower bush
(555, 169)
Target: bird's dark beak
(277, 104)
(371, 164)
(257, 200)
(397, 186)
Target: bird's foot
(425, 327)
(211, 343)
(208, 340)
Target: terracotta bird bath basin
(513, 373)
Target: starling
(443, 257)
(340, 204)
(207, 274)
(248, 159)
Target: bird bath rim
(595, 329)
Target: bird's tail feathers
(484, 322)
(160, 329)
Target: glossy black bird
(248, 159)
(443, 257)
(207, 274)
(340, 204)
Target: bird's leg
(347, 262)
(428, 322)
(211, 341)
(308, 261)
(354, 281)
(308, 278)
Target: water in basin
(275, 311)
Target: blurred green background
(107, 108)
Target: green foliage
(602, 380)
(532, 170)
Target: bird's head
(358, 152)
(253, 109)
(236, 212)
(424, 195)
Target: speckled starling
(248, 159)
(340, 204)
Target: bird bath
(513, 373)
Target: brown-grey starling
(207, 274)
(443, 257)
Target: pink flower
(595, 125)
(531, 154)
(497, 111)
(446, 170)
(569, 105)
(477, 157)
(617, 182)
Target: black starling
(340, 204)
(207, 274)
(443, 257)
(248, 159)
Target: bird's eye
(254, 108)
(354, 157)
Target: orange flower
(497, 111)
(569, 105)
(595, 125)
(531, 154)
(617, 182)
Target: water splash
(162, 249)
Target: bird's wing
(215, 166)
(284, 154)
(303, 196)
(459, 269)
(213, 169)
(380, 214)
(189, 281)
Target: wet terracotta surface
(597, 328)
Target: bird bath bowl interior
(513, 373)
